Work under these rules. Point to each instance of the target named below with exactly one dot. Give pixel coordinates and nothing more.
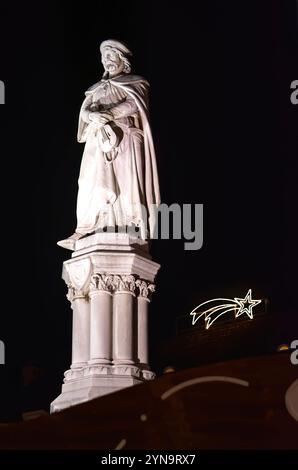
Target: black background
(225, 136)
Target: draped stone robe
(119, 188)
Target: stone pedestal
(110, 278)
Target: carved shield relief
(79, 273)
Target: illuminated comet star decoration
(215, 308)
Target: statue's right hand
(99, 118)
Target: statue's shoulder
(93, 87)
(129, 79)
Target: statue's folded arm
(124, 109)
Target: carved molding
(108, 370)
(124, 283)
(98, 370)
(112, 283)
(73, 374)
(145, 288)
(101, 282)
(148, 375)
(74, 293)
(133, 371)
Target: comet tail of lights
(212, 309)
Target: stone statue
(118, 182)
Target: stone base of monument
(110, 279)
(97, 382)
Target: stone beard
(116, 186)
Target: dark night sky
(224, 133)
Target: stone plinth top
(109, 253)
(105, 241)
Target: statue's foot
(69, 243)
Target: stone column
(100, 319)
(110, 277)
(123, 320)
(80, 327)
(145, 289)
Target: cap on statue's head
(115, 45)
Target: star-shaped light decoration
(222, 306)
(246, 305)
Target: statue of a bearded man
(118, 182)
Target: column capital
(124, 283)
(73, 293)
(145, 288)
(101, 283)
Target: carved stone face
(112, 62)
